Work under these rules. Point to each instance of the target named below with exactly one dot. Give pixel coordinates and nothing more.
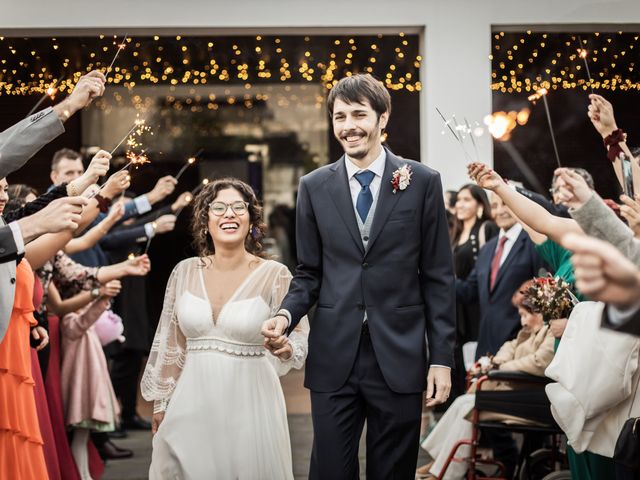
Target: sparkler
(188, 199)
(203, 184)
(50, 92)
(500, 125)
(583, 55)
(146, 248)
(473, 141)
(190, 161)
(542, 93)
(120, 48)
(448, 124)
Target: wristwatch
(95, 293)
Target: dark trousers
(393, 425)
(125, 370)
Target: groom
(374, 255)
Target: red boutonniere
(401, 178)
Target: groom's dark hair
(358, 88)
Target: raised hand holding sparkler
(163, 224)
(181, 203)
(89, 87)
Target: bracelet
(103, 203)
(612, 142)
(72, 191)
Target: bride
(214, 386)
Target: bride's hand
(284, 353)
(156, 421)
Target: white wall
(457, 40)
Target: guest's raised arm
(527, 211)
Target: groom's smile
(358, 127)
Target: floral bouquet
(552, 297)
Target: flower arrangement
(551, 297)
(401, 178)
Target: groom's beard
(368, 143)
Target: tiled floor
(298, 406)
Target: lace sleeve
(299, 336)
(168, 352)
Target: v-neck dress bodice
(225, 415)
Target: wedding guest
(474, 228)
(506, 260)
(530, 352)
(89, 400)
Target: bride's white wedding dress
(225, 415)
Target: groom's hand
(438, 383)
(273, 331)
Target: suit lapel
(513, 253)
(340, 193)
(387, 200)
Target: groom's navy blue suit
(404, 282)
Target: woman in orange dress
(21, 452)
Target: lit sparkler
(500, 125)
(190, 161)
(120, 48)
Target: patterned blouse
(68, 276)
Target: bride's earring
(205, 232)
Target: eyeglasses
(220, 208)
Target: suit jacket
(24, 139)
(631, 325)
(499, 319)
(403, 281)
(549, 206)
(8, 259)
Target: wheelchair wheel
(537, 466)
(560, 475)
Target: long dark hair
(202, 242)
(18, 193)
(480, 196)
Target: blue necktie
(365, 197)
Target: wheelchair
(527, 401)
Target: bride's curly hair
(202, 242)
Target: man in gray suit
(24, 139)
(373, 252)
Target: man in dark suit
(373, 252)
(503, 264)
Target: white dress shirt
(376, 167)
(17, 237)
(512, 235)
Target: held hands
(602, 272)
(275, 339)
(438, 385)
(164, 187)
(572, 189)
(484, 176)
(156, 421)
(600, 112)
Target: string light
(158, 60)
